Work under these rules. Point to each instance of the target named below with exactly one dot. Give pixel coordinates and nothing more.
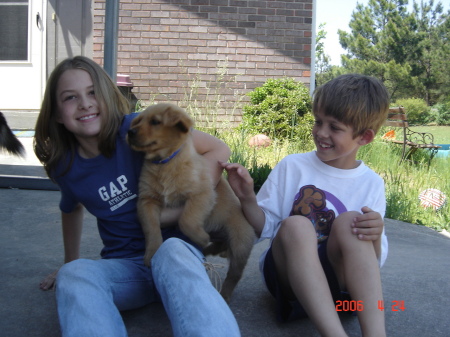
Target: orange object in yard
(389, 135)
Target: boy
(323, 212)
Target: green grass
(441, 134)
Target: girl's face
(334, 142)
(77, 107)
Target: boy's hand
(240, 180)
(242, 184)
(368, 226)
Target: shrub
(440, 114)
(276, 108)
(259, 175)
(417, 110)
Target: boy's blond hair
(359, 101)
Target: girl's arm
(169, 216)
(72, 224)
(214, 150)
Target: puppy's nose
(132, 133)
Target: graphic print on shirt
(311, 202)
(117, 193)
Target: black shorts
(286, 309)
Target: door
(22, 65)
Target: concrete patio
(417, 272)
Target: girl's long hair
(53, 143)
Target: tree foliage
(324, 70)
(407, 50)
(322, 59)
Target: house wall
(207, 54)
(69, 30)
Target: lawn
(441, 133)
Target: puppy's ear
(185, 123)
(136, 121)
(177, 117)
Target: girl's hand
(368, 226)
(49, 282)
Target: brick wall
(208, 53)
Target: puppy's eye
(154, 122)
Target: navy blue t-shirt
(108, 189)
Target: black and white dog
(8, 140)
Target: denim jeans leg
(194, 306)
(90, 293)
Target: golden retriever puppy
(174, 175)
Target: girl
(80, 139)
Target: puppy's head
(159, 130)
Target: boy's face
(334, 142)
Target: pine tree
(404, 50)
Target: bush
(276, 109)
(417, 110)
(259, 175)
(440, 114)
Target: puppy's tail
(8, 140)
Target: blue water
(444, 151)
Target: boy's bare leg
(301, 275)
(356, 266)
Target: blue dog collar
(163, 161)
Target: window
(14, 30)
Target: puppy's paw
(196, 233)
(202, 239)
(150, 250)
(148, 256)
(215, 248)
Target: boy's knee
(341, 232)
(296, 227)
(346, 217)
(343, 223)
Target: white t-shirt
(304, 185)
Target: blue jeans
(91, 293)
